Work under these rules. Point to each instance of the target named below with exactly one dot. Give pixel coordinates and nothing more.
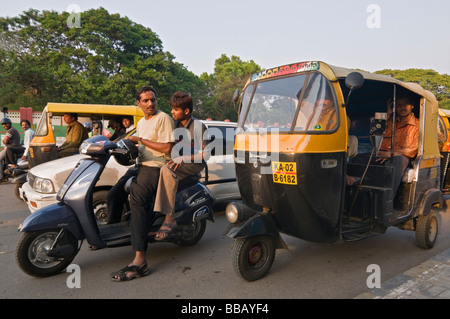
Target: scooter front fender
(56, 215)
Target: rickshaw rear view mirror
(354, 81)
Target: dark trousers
(13, 153)
(117, 197)
(142, 193)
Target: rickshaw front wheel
(426, 230)
(253, 256)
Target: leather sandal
(122, 274)
(163, 234)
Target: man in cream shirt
(154, 135)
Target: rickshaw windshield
(42, 127)
(275, 104)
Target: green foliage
(104, 61)
(229, 74)
(430, 80)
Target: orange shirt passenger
(406, 139)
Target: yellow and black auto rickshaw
(43, 147)
(299, 125)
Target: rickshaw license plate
(284, 173)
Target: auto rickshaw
(43, 147)
(292, 157)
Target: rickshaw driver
(406, 139)
(327, 117)
(76, 133)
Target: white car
(45, 180)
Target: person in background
(76, 133)
(13, 153)
(119, 129)
(127, 122)
(11, 139)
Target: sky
(370, 35)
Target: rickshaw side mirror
(353, 81)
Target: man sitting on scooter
(189, 158)
(154, 135)
(12, 139)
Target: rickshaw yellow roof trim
(83, 109)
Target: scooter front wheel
(32, 252)
(253, 256)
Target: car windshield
(274, 104)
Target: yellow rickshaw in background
(444, 146)
(43, 147)
(296, 125)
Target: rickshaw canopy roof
(341, 73)
(90, 109)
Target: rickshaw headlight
(232, 213)
(237, 212)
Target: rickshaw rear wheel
(253, 256)
(426, 230)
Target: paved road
(204, 271)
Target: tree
(104, 61)
(430, 80)
(229, 74)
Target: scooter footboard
(53, 216)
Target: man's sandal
(121, 275)
(162, 234)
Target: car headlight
(43, 185)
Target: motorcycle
(53, 235)
(18, 176)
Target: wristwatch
(140, 139)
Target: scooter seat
(188, 182)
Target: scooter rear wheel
(198, 229)
(253, 257)
(32, 249)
